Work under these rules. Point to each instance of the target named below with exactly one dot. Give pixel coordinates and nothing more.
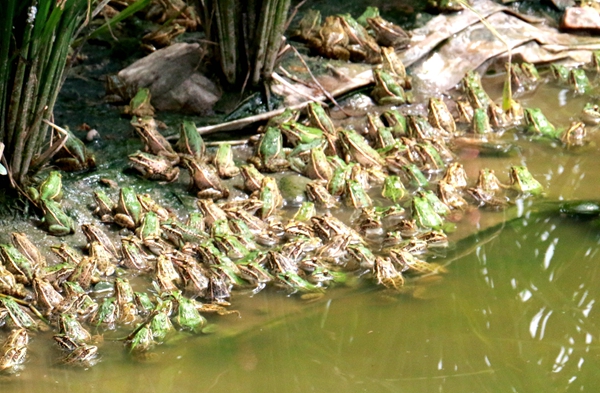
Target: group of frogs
(397, 174)
(248, 243)
(344, 38)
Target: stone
(581, 18)
(174, 78)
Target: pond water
(514, 313)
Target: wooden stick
(363, 79)
(327, 94)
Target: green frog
(424, 213)
(523, 181)
(56, 220)
(73, 156)
(128, 211)
(538, 124)
(49, 189)
(190, 143)
(388, 90)
(357, 149)
(269, 154)
(140, 104)
(224, 161)
(477, 96)
(579, 81)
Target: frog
(415, 177)
(128, 211)
(166, 274)
(270, 196)
(537, 123)
(389, 34)
(308, 25)
(485, 190)
(17, 263)
(103, 206)
(296, 284)
(269, 155)
(590, 114)
(481, 122)
(424, 214)
(223, 161)
(358, 150)
(317, 192)
(74, 155)
(299, 134)
(186, 313)
(439, 116)
(579, 81)
(154, 142)
(450, 195)
(431, 159)
(420, 128)
(523, 181)
(206, 180)
(149, 204)
(388, 90)
(162, 36)
(524, 76)
(134, 257)
(369, 12)
(498, 118)
(560, 73)
(574, 135)
(154, 167)
(140, 105)
(392, 64)
(252, 177)
(362, 46)
(396, 121)
(94, 233)
(356, 196)
(56, 221)
(393, 188)
(49, 189)
(331, 40)
(456, 176)
(318, 118)
(22, 242)
(318, 167)
(476, 95)
(46, 297)
(190, 143)
(82, 355)
(386, 274)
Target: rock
(173, 77)
(581, 18)
(292, 188)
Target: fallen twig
(327, 94)
(360, 80)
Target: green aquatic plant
(248, 36)
(35, 38)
